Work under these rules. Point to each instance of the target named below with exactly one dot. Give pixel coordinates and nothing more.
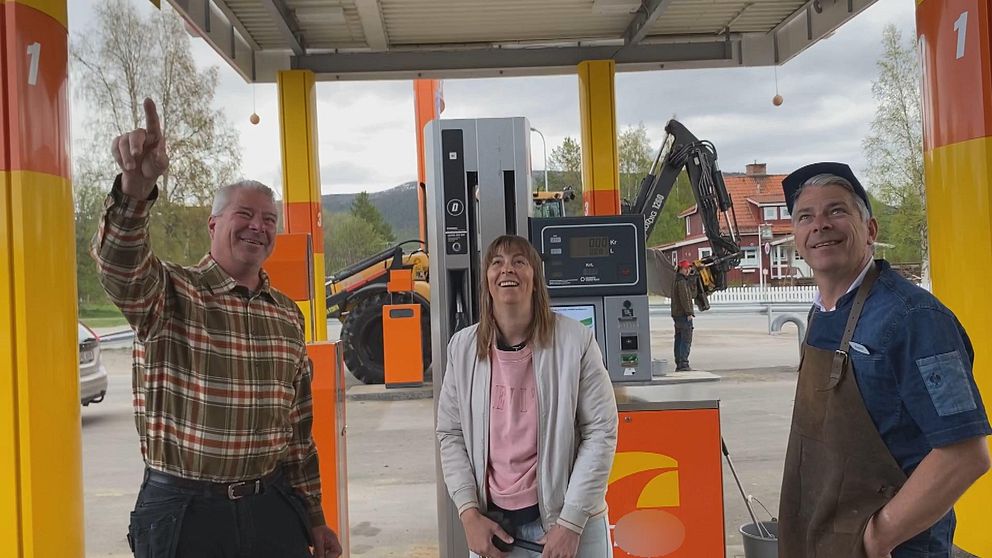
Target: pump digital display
(591, 255)
(589, 246)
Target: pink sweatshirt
(513, 430)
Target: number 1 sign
(37, 111)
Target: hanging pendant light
(254, 119)
(777, 100)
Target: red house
(764, 226)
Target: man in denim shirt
(874, 465)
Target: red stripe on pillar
(36, 54)
(601, 202)
(305, 217)
(4, 127)
(954, 51)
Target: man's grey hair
(827, 179)
(222, 197)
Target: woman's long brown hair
(542, 327)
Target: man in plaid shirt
(222, 399)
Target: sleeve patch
(947, 383)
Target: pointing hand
(141, 155)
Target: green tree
(88, 205)
(894, 149)
(669, 227)
(636, 156)
(363, 209)
(349, 239)
(566, 160)
(566, 171)
(115, 64)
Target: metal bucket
(756, 545)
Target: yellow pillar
(597, 109)
(301, 180)
(957, 134)
(41, 485)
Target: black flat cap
(792, 183)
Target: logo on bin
(648, 530)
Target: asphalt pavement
(391, 476)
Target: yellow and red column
(427, 105)
(301, 181)
(597, 111)
(41, 488)
(954, 46)
(301, 195)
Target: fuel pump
(479, 188)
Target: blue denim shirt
(912, 360)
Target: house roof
(745, 187)
(767, 199)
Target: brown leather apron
(838, 471)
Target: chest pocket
(878, 388)
(277, 346)
(947, 383)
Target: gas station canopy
(404, 39)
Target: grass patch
(99, 311)
(101, 315)
(104, 322)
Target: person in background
(526, 398)
(684, 291)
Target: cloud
(827, 90)
(346, 176)
(551, 103)
(366, 136)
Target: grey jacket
(577, 425)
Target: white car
(92, 374)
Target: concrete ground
(392, 487)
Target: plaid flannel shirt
(221, 376)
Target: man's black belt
(229, 490)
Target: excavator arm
(682, 150)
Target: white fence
(757, 295)
(744, 295)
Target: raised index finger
(151, 121)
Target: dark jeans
(172, 522)
(683, 341)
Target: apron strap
(840, 355)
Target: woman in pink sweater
(527, 419)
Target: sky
(366, 129)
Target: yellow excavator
(552, 204)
